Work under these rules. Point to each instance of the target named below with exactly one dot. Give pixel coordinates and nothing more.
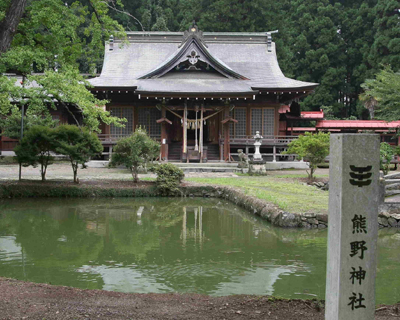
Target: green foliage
(135, 151)
(386, 155)
(62, 34)
(11, 125)
(35, 148)
(313, 148)
(78, 144)
(60, 39)
(68, 89)
(385, 90)
(386, 46)
(169, 178)
(50, 190)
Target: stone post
(353, 227)
(274, 154)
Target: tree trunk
(134, 171)
(9, 25)
(75, 170)
(43, 172)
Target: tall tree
(386, 46)
(11, 12)
(385, 90)
(57, 38)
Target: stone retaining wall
(389, 215)
(262, 208)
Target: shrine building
(202, 95)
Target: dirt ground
(25, 300)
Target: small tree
(386, 155)
(135, 151)
(35, 148)
(78, 144)
(313, 148)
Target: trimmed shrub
(386, 154)
(135, 151)
(168, 179)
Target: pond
(207, 246)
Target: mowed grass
(290, 195)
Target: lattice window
(256, 121)
(240, 127)
(126, 113)
(148, 119)
(263, 120)
(238, 130)
(269, 122)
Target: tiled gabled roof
(247, 55)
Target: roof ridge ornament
(269, 39)
(193, 33)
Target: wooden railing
(267, 140)
(113, 138)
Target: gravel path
(63, 171)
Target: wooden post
(164, 135)
(227, 146)
(201, 133)
(274, 154)
(185, 132)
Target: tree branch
(113, 7)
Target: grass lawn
(286, 191)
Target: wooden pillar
(227, 146)
(184, 149)
(164, 135)
(201, 133)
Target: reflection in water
(170, 245)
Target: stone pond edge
(388, 213)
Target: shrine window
(238, 130)
(148, 119)
(263, 120)
(126, 113)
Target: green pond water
(205, 246)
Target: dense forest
(337, 43)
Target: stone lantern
(257, 155)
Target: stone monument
(243, 159)
(353, 226)
(257, 155)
